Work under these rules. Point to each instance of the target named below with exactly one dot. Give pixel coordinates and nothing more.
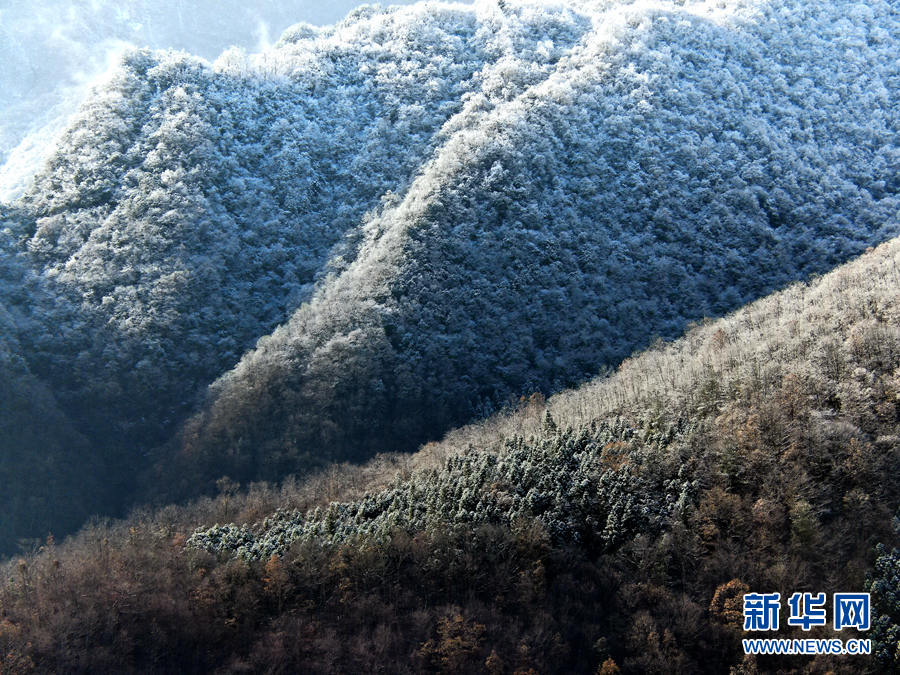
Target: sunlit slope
(54, 50)
(679, 161)
(793, 399)
(191, 208)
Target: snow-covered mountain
(672, 163)
(54, 51)
(374, 231)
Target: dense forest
(610, 528)
(55, 51)
(510, 337)
(376, 231)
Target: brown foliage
(727, 604)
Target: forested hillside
(673, 165)
(612, 528)
(54, 51)
(373, 232)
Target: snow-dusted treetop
(53, 52)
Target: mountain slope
(55, 49)
(811, 370)
(764, 450)
(191, 207)
(422, 213)
(760, 451)
(676, 163)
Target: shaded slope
(52, 477)
(677, 163)
(192, 206)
